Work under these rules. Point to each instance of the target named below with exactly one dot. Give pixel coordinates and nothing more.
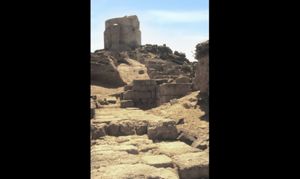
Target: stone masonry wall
(151, 93)
(122, 33)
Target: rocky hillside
(115, 69)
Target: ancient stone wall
(142, 94)
(201, 81)
(122, 33)
(169, 91)
(151, 93)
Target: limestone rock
(159, 161)
(192, 165)
(200, 144)
(135, 171)
(174, 148)
(183, 79)
(186, 138)
(98, 130)
(201, 81)
(126, 103)
(127, 128)
(162, 130)
(113, 129)
(141, 128)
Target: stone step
(137, 156)
(122, 122)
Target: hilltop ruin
(145, 116)
(122, 33)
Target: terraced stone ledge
(122, 122)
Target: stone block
(173, 89)
(162, 130)
(186, 138)
(127, 103)
(144, 87)
(127, 128)
(127, 87)
(143, 82)
(159, 161)
(127, 95)
(113, 129)
(192, 165)
(182, 79)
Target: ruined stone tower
(122, 33)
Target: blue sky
(180, 24)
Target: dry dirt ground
(103, 92)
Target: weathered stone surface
(174, 148)
(135, 121)
(142, 95)
(144, 87)
(122, 33)
(98, 130)
(183, 79)
(127, 128)
(192, 165)
(173, 89)
(137, 157)
(112, 100)
(141, 128)
(201, 81)
(135, 171)
(93, 107)
(186, 138)
(141, 71)
(113, 129)
(162, 130)
(159, 161)
(126, 103)
(103, 158)
(166, 99)
(127, 87)
(143, 82)
(104, 71)
(130, 149)
(128, 95)
(189, 105)
(200, 144)
(180, 121)
(92, 113)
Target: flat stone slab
(137, 157)
(192, 165)
(174, 148)
(133, 171)
(126, 148)
(158, 161)
(122, 122)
